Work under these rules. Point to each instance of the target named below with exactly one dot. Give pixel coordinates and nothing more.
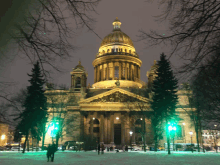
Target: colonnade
(106, 126)
(127, 71)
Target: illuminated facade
(112, 107)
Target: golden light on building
(3, 137)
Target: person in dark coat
(49, 152)
(53, 150)
(99, 148)
(126, 148)
(103, 148)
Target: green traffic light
(172, 126)
(53, 129)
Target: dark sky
(134, 15)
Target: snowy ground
(110, 158)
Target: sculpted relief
(117, 97)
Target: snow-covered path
(111, 158)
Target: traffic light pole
(168, 142)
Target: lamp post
(171, 131)
(191, 133)
(184, 132)
(130, 136)
(19, 142)
(215, 139)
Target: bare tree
(205, 86)
(43, 32)
(139, 112)
(58, 100)
(193, 111)
(193, 32)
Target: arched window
(95, 125)
(96, 121)
(78, 82)
(138, 122)
(138, 126)
(117, 71)
(130, 51)
(125, 50)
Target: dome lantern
(116, 24)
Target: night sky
(134, 16)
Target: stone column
(120, 70)
(95, 74)
(108, 129)
(132, 126)
(72, 81)
(130, 72)
(113, 74)
(82, 124)
(105, 129)
(98, 67)
(112, 128)
(86, 125)
(107, 71)
(122, 130)
(101, 66)
(136, 71)
(139, 73)
(102, 128)
(91, 124)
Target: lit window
(116, 71)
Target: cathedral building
(111, 110)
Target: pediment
(116, 95)
(78, 70)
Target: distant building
(211, 137)
(4, 128)
(109, 109)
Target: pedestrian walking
(103, 148)
(48, 152)
(98, 149)
(53, 150)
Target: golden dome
(117, 35)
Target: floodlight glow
(170, 128)
(3, 137)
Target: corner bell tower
(78, 77)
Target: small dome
(79, 66)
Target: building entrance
(117, 134)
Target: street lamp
(19, 141)
(184, 131)
(172, 128)
(130, 136)
(215, 139)
(191, 133)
